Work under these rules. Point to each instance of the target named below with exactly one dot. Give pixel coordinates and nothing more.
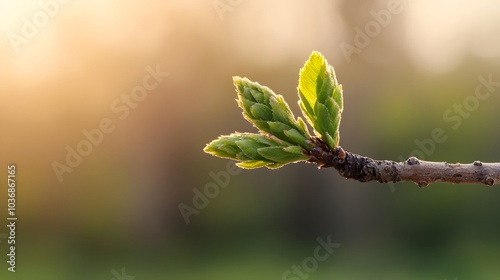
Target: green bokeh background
(120, 207)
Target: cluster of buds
(282, 138)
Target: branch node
(422, 184)
(478, 163)
(489, 181)
(413, 161)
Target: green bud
(256, 150)
(267, 110)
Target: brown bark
(420, 172)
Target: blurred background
(112, 208)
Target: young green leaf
(256, 150)
(321, 98)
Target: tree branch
(422, 173)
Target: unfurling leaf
(256, 150)
(321, 98)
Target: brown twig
(420, 172)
